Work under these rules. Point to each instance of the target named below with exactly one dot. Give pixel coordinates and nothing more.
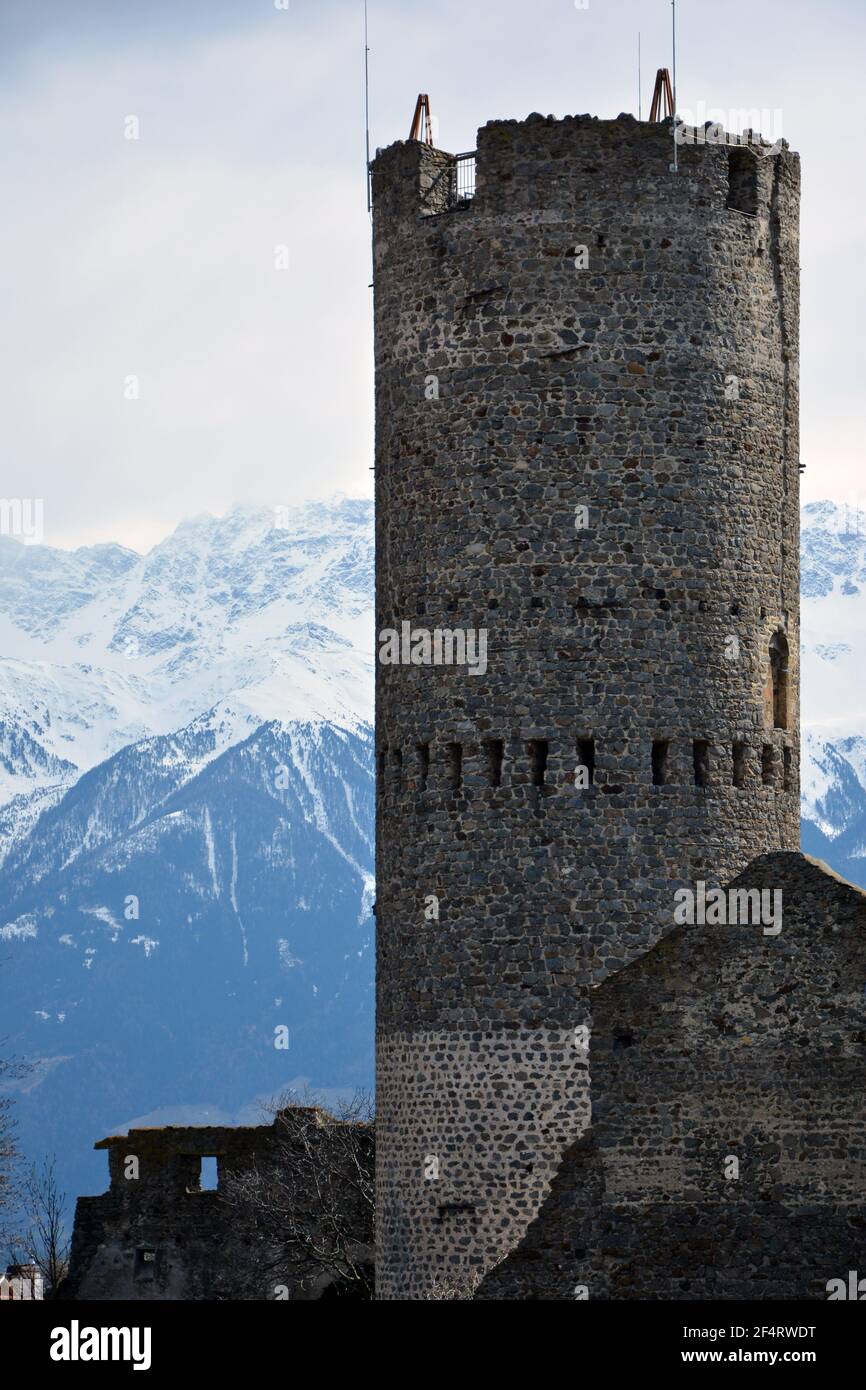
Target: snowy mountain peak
(833, 549)
(264, 614)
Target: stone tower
(586, 459)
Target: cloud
(155, 257)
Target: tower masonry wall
(587, 460)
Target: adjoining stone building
(160, 1233)
(22, 1282)
(727, 1153)
(587, 451)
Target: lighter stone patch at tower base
(495, 1108)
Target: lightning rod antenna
(639, 109)
(674, 73)
(367, 110)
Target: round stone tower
(587, 623)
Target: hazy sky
(155, 257)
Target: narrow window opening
(787, 767)
(423, 751)
(456, 1210)
(743, 182)
(739, 765)
(779, 678)
(494, 749)
(538, 755)
(701, 758)
(661, 749)
(586, 758)
(398, 768)
(380, 767)
(455, 766)
(767, 764)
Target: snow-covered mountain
(186, 820)
(261, 614)
(833, 657)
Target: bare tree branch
(10, 1190)
(45, 1242)
(311, 1203)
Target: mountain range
(187, 811)
(186, 829)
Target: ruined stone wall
(727, 1154)
(156, 1234)
(657, 389)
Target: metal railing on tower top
(453, 187)
(464, 175)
